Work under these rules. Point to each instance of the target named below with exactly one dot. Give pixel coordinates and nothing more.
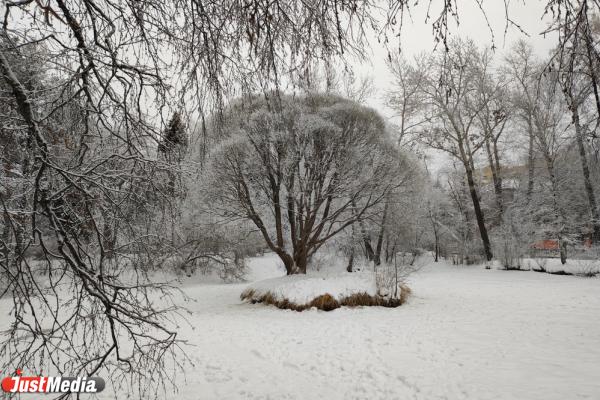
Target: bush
(325, 302)
(228, 269)
(390, 278)
(586, 268)
(509, 253)
(540, 264)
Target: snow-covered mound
(302, 289)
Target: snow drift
(325, 291)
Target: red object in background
(547, 244)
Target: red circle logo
(8, 384)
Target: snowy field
(467, 333)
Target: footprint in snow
(290, 365)
(257, 353)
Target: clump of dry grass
(361, 299)
(327, 302)
(324, 302)
(405, 293)
(247, 295)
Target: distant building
(510, 175)
(551, 248)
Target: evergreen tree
(174, 142)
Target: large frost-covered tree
(302, 169)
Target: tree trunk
(390, 250)
(558, 212)
(25, 108)
(586, 176)
(109, 236)
(369, 252)
(563, 251)
(487, 248)
(437, 247)
(530, 161)
(288, 262)
(498, 181)
(591, 67)
(300, 259)
(494, 169)
(350, 265)
(377, 257)
(6, 237)
(295, 264)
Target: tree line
(521, 132)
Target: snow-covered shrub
(229, 267)
(389, 284)
(467, 254)
(509, 249)
(390, 277)
(509, 253)
(540, 264)
(587, 268)
(233, 271)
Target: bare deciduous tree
(450, 90)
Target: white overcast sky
(417, 37)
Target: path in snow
(467, 333)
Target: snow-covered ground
(466, 333)
(301, 289)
